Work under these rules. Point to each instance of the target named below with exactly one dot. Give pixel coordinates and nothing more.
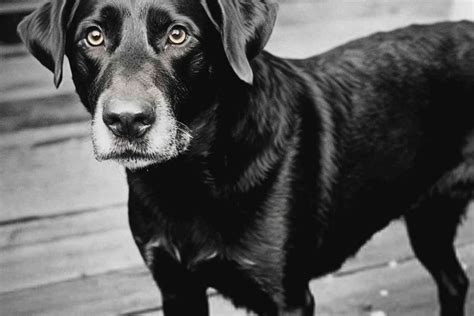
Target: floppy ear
(245, 27)
(44, 33)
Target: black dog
(253, 174)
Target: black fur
(294, 164)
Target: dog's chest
(208, 237)
(220, 266)
(194, 254)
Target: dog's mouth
(140, 153)
(129, 155)
(132, 160)
(133, 156)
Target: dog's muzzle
(137, 130)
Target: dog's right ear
(245, 27)
(44, 33)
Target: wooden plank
(111, 293)
(41, 112)
(41, 264)
(41, 136)
(23, 78)
(32, 100)
(56, 179)
(46, 231)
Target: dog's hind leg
(432, 227)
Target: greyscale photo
(237, 157)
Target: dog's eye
(177, 36)
(95, 38)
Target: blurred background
(65, 247)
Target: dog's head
(147, 70)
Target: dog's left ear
(44, 33)
(245, 27)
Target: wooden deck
(65, 247)
(84, 263)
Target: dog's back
(399, 108)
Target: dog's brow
(158, 17)
(115, 9)
(112, 16)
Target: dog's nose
(128, 118)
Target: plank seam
(28, 219)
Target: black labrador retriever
(254, 174)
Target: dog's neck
(255, 124)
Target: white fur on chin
(135, 164)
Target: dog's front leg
(302, 304)
(182, 293)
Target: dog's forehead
(142, 8)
